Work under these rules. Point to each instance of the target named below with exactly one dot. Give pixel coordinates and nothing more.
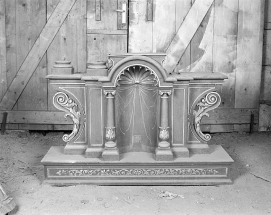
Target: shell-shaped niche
(136, 109)
(137, 75)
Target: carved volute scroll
(64, 103)
(209, 102)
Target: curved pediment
(139, 67)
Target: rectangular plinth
(137, 168)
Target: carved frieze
(139, 172)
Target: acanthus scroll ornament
(209, 102)
(64, 103)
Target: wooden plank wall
(228, 40)
(220, 44)
(21, 23)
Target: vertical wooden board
(164, 27)
(182, 8)
(101, 45)
(225, 47)
(3, 56)
(11, 47)
(25, 38)
(34, 96)
(265, 117)
(266, 83)
(202, 45)
(70, 42)
(249, 53)
(267, 47)
(267, 22)
(265, 109)
(74, 30)
(108, 18)
(140, 30)
(81, 35)
(22, 25)
(52, 53)
(11, 40)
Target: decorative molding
(64, 103)
(110, 63)
(209, 102)
(137, 172)
(110, 133)
(163, 134)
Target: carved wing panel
(207, 102)
(64, 103)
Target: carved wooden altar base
(135, 124)
(138, 168)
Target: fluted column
(163, 152)
(111, 152)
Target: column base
(180, 152)
(163, 154)
(111, 154)
(94, 152)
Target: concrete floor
(21, 175)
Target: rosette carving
(209, 102)
(64, 103)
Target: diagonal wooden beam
(36, 53)
(185, 33)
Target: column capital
(165, 93)
(109, 93)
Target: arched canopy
(143, 61)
